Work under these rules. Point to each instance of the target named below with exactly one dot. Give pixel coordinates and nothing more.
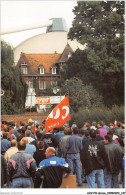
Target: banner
(59, 115)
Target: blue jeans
(98, 175)
(111, 180)
(21, 182)
(74, 163)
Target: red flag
(59, 115)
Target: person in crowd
(51, 170)
(111, 132)
(86, 126)
(113, 162)
(39, 155)
(56, 139)
(11, 132)
(111, 126)
(36, 141)
(106, 127)
(47, 138)
(21, 167)
(28, 136)
(94, 125)
(20, 135)
(68, 133)
(30, 148)
(74, 146)
(86, 137)
(5, 143)
(98, 137)
(17, 126)
(92, 159)
(12, 150)
(120, 139)
(118, 129)
(103, 131)
(4, 173)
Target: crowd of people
(32, 157)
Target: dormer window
(42, 70)
(53, 70)
(24, 68)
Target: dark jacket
(92, 156)
(4, 174)
(21, 164)
(52, 169)
(113, 157)
(39, 155)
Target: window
(42, 84)
(24, 70)
(53, 70)
(42, 70)
(30, 84)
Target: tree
(12, 82)
(100, 24)
(81, 95)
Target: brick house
(41, 72)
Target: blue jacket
(5, 145)
(52, 161)
(73, 144)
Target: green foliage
(80, 94)
(12, 82)
(102, 63)
(98, 114)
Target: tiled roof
(47, 60)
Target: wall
(24, 118)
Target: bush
(98, 114)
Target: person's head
(92, 133)
(27, 133)
(94, 124)
(123, 125)
(5, 135)
(108, 138)
(41, 145)
(75, 130)
(11, 129)
(118, 124)
(86, 125)
(111, 132)
(50, 151)
(111, 125)
(100, 124)
(19, 132)
(122, 132)
(82, 132)
(21, 146)
(13, 143)
(28, 127)
(73, 126)
(67, 131)
(39, 135)
(25, 140)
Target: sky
(19, 13)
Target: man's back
(92, 156)
(114, 155)
(73, 144)
(21, 164)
